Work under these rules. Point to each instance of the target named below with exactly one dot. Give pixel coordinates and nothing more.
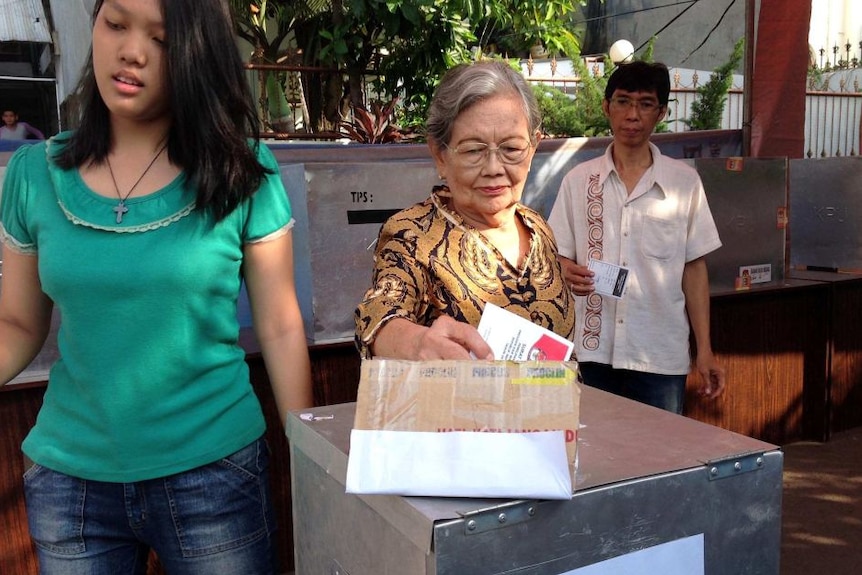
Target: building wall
(835, 23)
(696, 35)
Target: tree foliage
(574, 115)
(707, 110)
(409, 44)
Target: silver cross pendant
(120, 209)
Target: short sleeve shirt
(663, 224)
(151, 379)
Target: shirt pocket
(662, 238)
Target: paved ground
(822, 507)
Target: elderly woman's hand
(445, 338)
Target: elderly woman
(472, 242)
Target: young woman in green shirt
(140, 227)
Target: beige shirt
(663, 224)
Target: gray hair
(468, 84)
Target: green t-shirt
(150, 379)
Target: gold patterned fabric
(430, 263)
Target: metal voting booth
(825, 210)
(340, 205)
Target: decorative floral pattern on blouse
(430, 263)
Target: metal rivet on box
(737, 466)
(471, 525)
(501, 518)
(713, 471)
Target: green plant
(574, 115)
(280, 113)
(268, 25)
(411, 117)
(591, 93)
(560, 117)
(538, 23)
(373, 126)
(409, 44)
(815, 78)
(707, 110)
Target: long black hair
(210, 104)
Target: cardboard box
(465, 429)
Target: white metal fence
(832, 124)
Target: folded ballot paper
(514, 337)
(486, 429)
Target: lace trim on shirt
(15, 245)
(131, 229)
(276, 234)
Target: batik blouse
(429, 263)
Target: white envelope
(461, 464)
(481, 429)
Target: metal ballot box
(655, 493)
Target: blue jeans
(215, 519)
(663, 391)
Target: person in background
(140, 227)
(638, 209)
(13, 129)
(471, 242)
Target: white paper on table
(610, 279)
(459, 464)
(512, 337)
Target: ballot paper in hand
(610, 279)
(512, 337)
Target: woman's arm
(25, 313)
(446, 338)
(269, 275)
(33, 131)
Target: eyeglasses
(642, 106)
(473, 154)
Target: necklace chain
(121, 208)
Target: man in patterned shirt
(635, 208)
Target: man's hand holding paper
(609, 279)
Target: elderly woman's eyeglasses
(472, 154)
(642, 106)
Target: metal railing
(832, 124)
